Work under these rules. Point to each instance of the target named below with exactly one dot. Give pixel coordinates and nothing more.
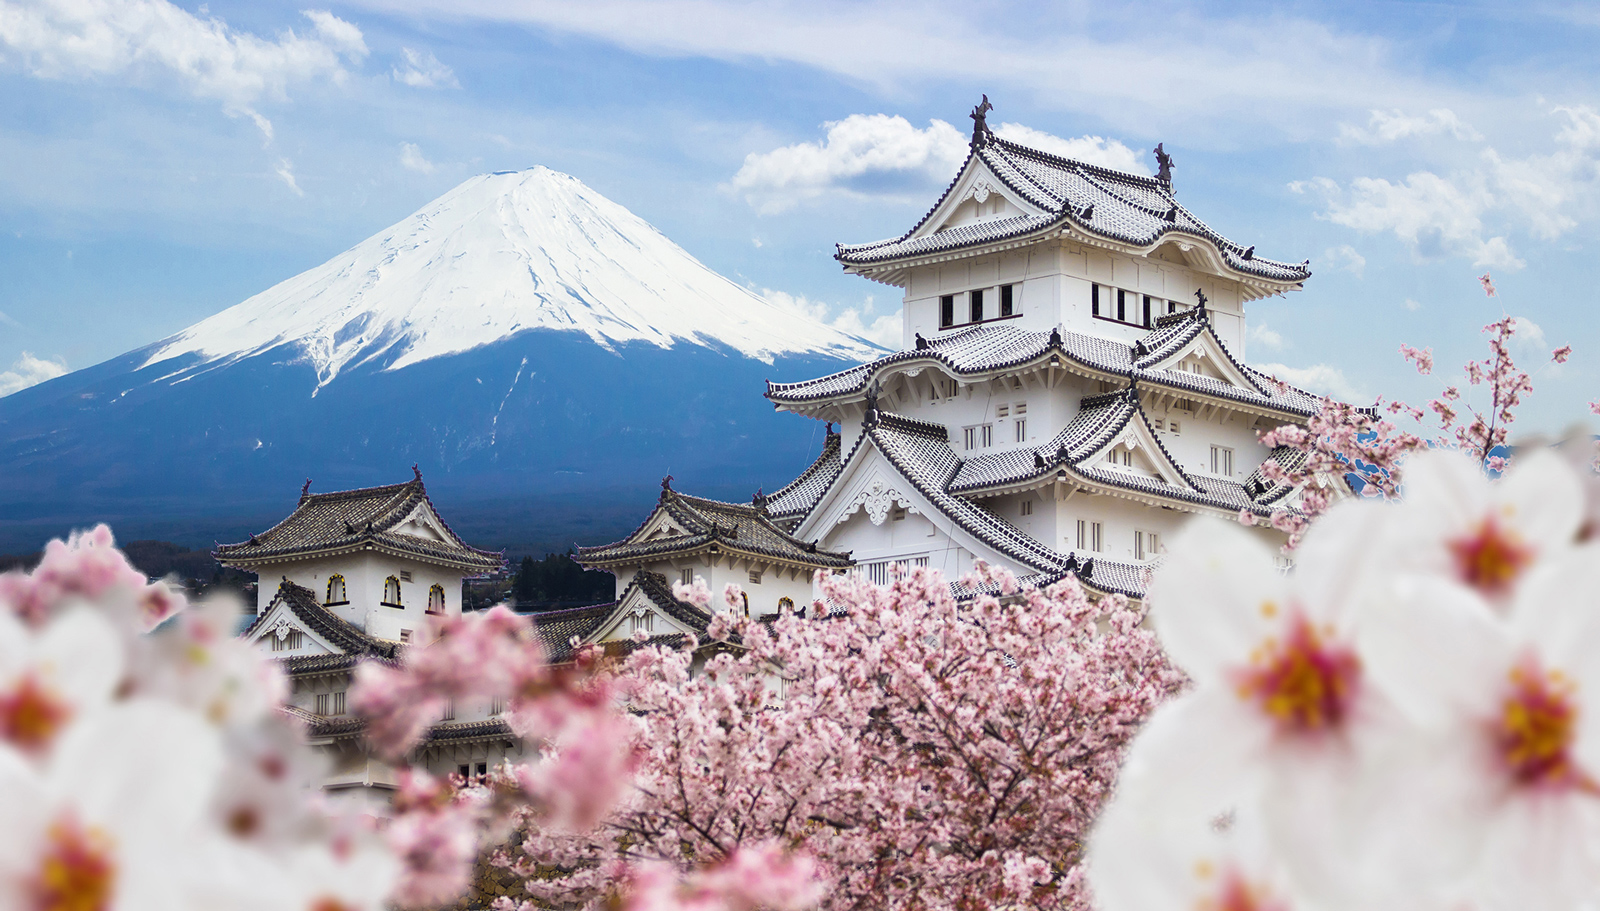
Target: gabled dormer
(977, 197)
(1135, 450)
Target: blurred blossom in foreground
(1401, 722)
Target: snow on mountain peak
(499, 254)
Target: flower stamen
(1491, 558)
(31, 715)
(77, 872)
(1305, 682)
(1538, 724)
(1235, 893)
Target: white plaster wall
(1055, 281)
(364, 575)
(902, 540)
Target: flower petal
(80, 655)
(1209, 600)
(1543, 499)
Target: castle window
(1122, 305)
(449, 713)
(1174, 427)
(977, 305)
(643, 623)
(1002, 411)
(786, 606)
(1022, 430)
(1027, 507)
(947, 311)
(1222, 461)
(405, 575)
(1094, 299)
(1007, 305)
(969, 436)
(391, 592)
(897, 513)
(336, 590)
(1088, 536)
(755, 577)
(1146, 545)
(497, 705)
(436, 599)
(338, 703)
(320, 705)
(988, 435)
(686, 576)
(1149, 311)
(405, 635)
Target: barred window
(436, 599)
(391, 592)
(336, 590)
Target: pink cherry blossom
(1487, 283)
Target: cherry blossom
(63, 670)
(918, 750)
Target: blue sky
(160, 162)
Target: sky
(160, 162)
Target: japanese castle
(1072, 385)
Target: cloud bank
(29, 371)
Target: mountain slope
(500, 254)
(524, 339)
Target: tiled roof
(798, 496)
(338, 632)
(989, 348)
(710, 523)
(356, 520)
(557, 629)
(921, 452)
(1135, 210)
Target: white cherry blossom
(54, 674)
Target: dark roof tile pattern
(355, 519)
(989, 348)
(1124, 207)
(798, 496)
(558, 629)
(742, 527)
(339, 632)
(921, 452)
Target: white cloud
(1107, 153)
(1321, 378)
(882, 156)
(411, 159)
(29, 371)
(1546, 194)
(1265, 336)
(1385, 127)
(882, 330)
(156, 40)
(1345, 258)
(424, 71)
(1184, 67)
(285, 172)
(6, 318)
(1530, 335)
(1413, 305)
(1435, 216)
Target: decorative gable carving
(877, 498)
(1135, 450)
(978, 196)
(422, 523)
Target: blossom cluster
(144, 762)
(1406, 720)
(917, 750)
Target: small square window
(686, 576)
(755, 577)
(1022, 408)
(897, 513)
(1002, 411)
(1174, 427)
(1027, 507)
(405, 575)
(405, 635)
(1222, 461)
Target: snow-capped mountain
(500, 254)
(523, 338)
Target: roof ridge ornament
(416, 471)
(1200, 295)
(759, 500)
(1163, 165)
(1088, 213)
(922, 343)
(1055, 337)
(305, 490)
(666, 485)
(981, 134)
(1250, 253)
(870, 418)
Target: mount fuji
(543, 354)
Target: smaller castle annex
(685, 538)
(358, 573)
